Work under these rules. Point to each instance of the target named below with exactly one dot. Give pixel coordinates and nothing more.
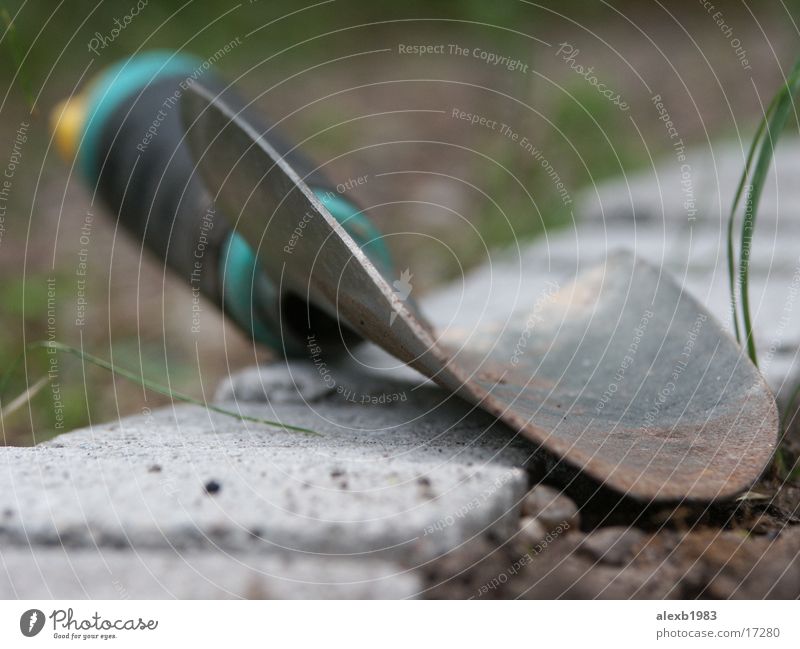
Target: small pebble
(613, 545)
(213, 487)
(154, 468)
(531, 531)
(550, 507)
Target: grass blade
(150, 385)
(764, 142)
(22, 399)
(732, 216)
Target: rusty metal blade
(621, 373)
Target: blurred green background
(445, 190)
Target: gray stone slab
(107, 573)
(383, 485)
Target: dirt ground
(746, 549)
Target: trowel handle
(126, 133)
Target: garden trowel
(621, 373)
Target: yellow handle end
(66, 122)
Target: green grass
(761, 152)
(751, 186)
(135, 378)
(13, 47)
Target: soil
(744, 549)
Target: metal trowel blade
(625, 376)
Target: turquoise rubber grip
(119, 107)
(113, 87)
(241, 271)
